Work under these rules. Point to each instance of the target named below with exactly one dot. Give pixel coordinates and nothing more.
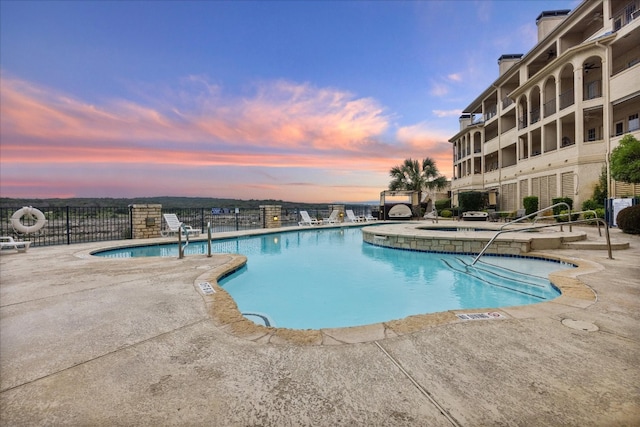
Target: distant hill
(165, 201)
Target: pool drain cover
(580, 325)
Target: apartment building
(546, 126)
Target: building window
(591, 134)
(619, 128)
(634, 123)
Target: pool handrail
(595, 215)
(522, 218)
(183, 229)
(578, 221)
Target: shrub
(563, 216)
(446, 213)
(443, 204)
(628, 220)
(530, 204)
(471, 201)
(590, 205)
(556, 200)
(590, 215)
(557, 210)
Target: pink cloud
(279, 125)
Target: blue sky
(300, 101)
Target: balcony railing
(549, 108)
(491, 112)
(535, 115)
(506, 101)
(592, 90)
(627, 14)
(566, 98)
(522, 122)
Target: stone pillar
(340, 209)
(146, 221)
(271, 216)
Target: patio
(95, 341)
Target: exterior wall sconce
(275, 218)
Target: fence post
(271, 216)
(145, 221)
(68, 227)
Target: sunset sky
(298, 101)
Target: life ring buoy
(31, 212)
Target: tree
(413, 176)
(625, 160)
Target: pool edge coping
(225, 314)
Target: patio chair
(307, 220)
(351, 217)
(174, 225)
(333, 218)
(7, 242)
(368, 217)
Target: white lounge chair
(333, 218)
(174, 225)
(351, 217)
(368, 217)
(307, 220)
(7, 242)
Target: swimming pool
(329, 278)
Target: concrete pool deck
(94, 341)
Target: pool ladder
(181, 247)
(569, 222)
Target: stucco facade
(546, 126)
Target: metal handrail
(579, 221)
(542, 210)
(595, 215)
(183, 229)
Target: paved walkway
(92, 341)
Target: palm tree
(411, 176)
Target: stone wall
(146, 221)
(271, 216)
(447, 244)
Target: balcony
(567, 98)
(506, 101)
(535, 115)
(522, 122)
(620, 83)
(491, 112)
(592, 90)
(549, 108)
(625, 15)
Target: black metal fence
(247, 219)
(68, 225)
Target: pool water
(330, 278)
